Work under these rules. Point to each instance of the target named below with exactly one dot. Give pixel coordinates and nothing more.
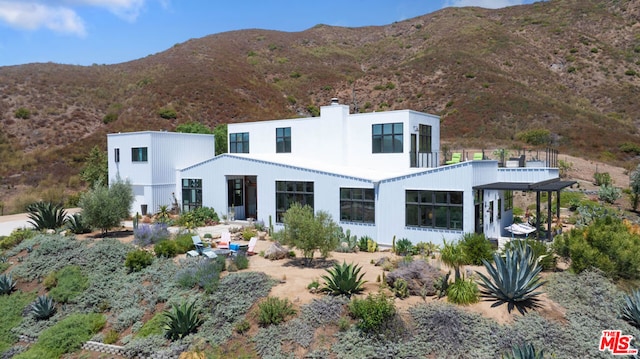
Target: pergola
(549, 186)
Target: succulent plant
(7, 284)
(513, 280)
(524, 351)
(76, 225)
(344, 279)
(43, 308)
(46, 215)
(181, 321)
(631, 308)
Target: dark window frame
(239, 142)
(387, 137)
(283, 140)
(357, 205)
(139, 154)
(191, 194)
(434, 209)
(508, 200)
(116, 154)
(424, 139)
(288, 192)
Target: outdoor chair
(252, 246)
(201, 249)
(224, 241)
(456, 157)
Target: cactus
(393, 244)
(43, 308)
(135, 221)
(7, 284)
(270, 227)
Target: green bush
(166, 248)
(630, 147)
(167, 113)
(109, 117)
(198, 217)
(606, 244)
(274, 311)
(404, 247)
(11, 307)
(241, 261)
(372, 311)
(16, 237)
(242, 326)
(535, 137)
(22, 113)
(463, 291)
(309, 232)
(203, 273)
(476, 247)
(137, 260)
(111, 337)
(154, 326)
(184, 243)
(66, 336)
(609, 193)
(70, 283)
(602, 178)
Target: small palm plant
(46, 215)
(7, 284)
(344, 279)
(524, 351)
(43, 308)
(631, 308)
(513, 280)
(181, 321)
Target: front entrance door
(242, 197)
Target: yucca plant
(513, 280)
(344, 279)
(76, 224)
(7, 284)
(43, 308)
(46, 215)
(631, 308)
(181, 321)
(524, 351)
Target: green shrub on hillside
(606, 244)
(137, 260)
(66, 336)
(372, 311)
(70, 283)
(535, 137)
(476, 247)
(11, 307)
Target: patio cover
(552, 185)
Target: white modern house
(378, 174)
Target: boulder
(419, 276)
(276, 251)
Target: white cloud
(125, 9)
(33, 16)
(488, 4)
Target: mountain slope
(569, 66)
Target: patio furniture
(201, 249)
(224, 241)
(456, 157)
(252, 246)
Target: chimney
(334, 101)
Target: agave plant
(631, 308)
(181, 321)
(513, 280)
(7, 284)
(46, 215)
(43, 308)
(76, 224)
(344, 279)
(524, 351)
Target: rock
(382, 261)
(276, 251)
(419, 275)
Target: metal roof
(543, 186)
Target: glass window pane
(345, 193)
(357, 194)
(456, 217)
(412, 196)
(412, 215)
(387, 128)
(387, 144)
(455, 197)
(426, 196)
(441, 216)
(397, 128)
(369, 195)
(441, 197)
(377, 129)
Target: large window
(239, 142)
(283, 140)
(357, 205)
(508, 200)
(434, 209)
(288, 192)
(424, 139)
(191, 194)
(387, 138)
(139, 154)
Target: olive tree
(309, 232)
(105, 207)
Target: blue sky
(84, 32)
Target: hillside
(569, 66)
